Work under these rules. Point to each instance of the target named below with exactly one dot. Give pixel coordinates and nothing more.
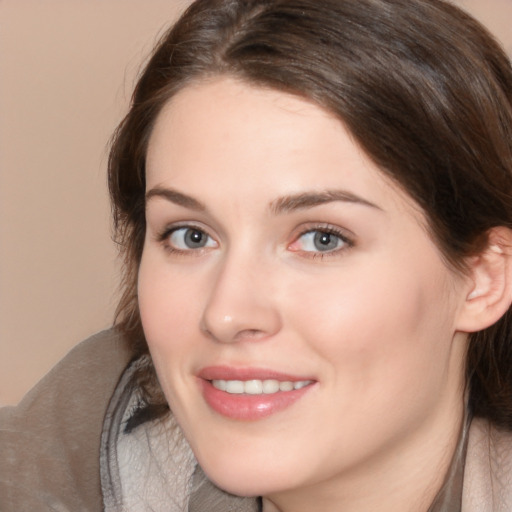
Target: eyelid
(164, 235)
(346, 236)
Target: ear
(489, 290)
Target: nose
(241, 305)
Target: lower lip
(249, 407)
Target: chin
(241, 480)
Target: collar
(151, 466)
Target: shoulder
(50, 441)
(488, 468)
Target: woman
(314, 200)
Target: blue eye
(189, 238)
(320, 241)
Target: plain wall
(67, 70)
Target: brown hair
(422, 87)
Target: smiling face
(302, 323)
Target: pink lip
(248, 407)
(233, 373)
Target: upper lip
(247, 373)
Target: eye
(320, 241)
(189, 238)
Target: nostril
(249, 334)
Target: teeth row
(258, 387)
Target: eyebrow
(280, 205)
(176, 197)
(310, 199)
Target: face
(302, 322)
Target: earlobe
(490, 283)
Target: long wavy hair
(424, 90)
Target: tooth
(219, 384)
(253, 387)
(270, 386)
(257, 387)
(235, 386)
(285, 386)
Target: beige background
(67, 69)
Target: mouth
(250, 394)
(258, 387)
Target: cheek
(384, 324)
(168, 306)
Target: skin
(374, 321)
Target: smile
(257, 387)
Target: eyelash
(348, 242)
(164, 236)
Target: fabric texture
(72, 428)
(49, 443)
(488, 469)
(151, 467)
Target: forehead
(226, 136)
(223, 111)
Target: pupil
(325, 241)
(194, 238)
